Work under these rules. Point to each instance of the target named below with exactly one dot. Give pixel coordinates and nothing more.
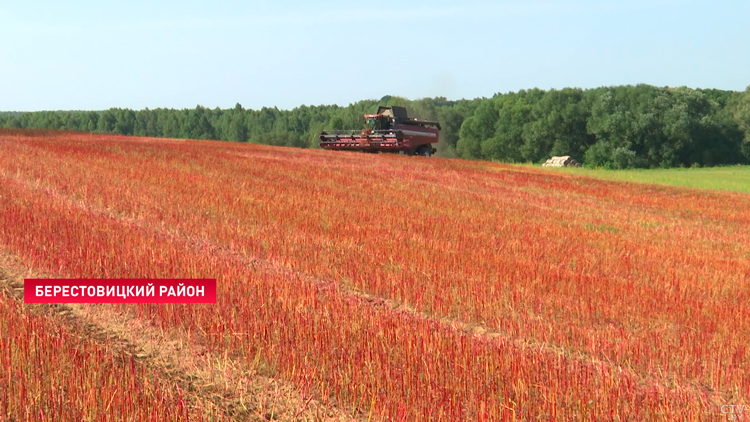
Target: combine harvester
(390, 130)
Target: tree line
(616, 127)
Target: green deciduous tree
(619, 127)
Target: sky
(93, 55)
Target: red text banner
(88, 290)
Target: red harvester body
(390, 130)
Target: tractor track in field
(213, 381)
(208, 246)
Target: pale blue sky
(96, 54)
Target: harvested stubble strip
(653, 300)
(385, 362)
(49, 372)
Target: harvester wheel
(423, 150)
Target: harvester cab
(388, 130)
(378, 122)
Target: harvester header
(389, 130)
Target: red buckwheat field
(365, 287)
